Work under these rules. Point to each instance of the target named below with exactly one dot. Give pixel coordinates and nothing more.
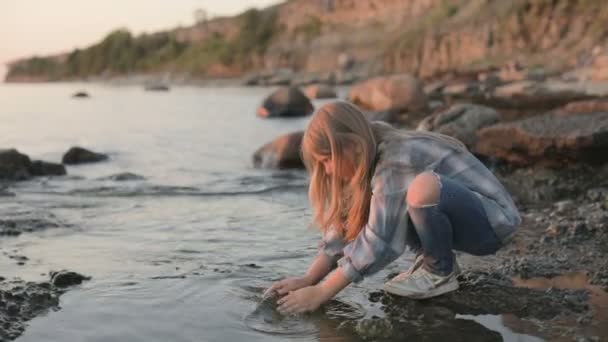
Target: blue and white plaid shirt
(400, 159)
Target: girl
(375, 189)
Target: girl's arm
(311, 297)
(319, 268)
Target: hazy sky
(29, 27)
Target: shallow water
(186, 253)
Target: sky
(39, 27)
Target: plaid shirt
(383, 238)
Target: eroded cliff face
(485, 33)
(427, 38)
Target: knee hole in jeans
(424, 191)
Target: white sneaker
(419, 261)
(421, 284)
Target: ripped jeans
(457, 222)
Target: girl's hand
(290, 284)
(303, 300)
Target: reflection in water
(598, 298)
(499, 324)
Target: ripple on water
(265, 317)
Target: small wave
(167, 191)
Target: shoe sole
(432, 293)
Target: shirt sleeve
(381, 241)
(332, 246)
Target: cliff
(428, 38)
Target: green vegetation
(122, 53)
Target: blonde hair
(335, 130)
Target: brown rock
(285, 102)
(461, 121)
(282, 153)
(549, 139)
(536, 95)
(461, 90)
(588, 106)
(320, 91)
(392, 93)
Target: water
(186, 253)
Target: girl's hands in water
(290, 284)
(303, 300)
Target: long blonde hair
(336, 129)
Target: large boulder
(282, 153)
(551, 139)
(461, 121)
(14, 166)
(285, 102)
(536, 95)
(402, 93)
(42, 168)
(79, 155)
(320, 91)
(588, 106)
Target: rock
(461, 121)
(549, 139)
(79, 155)
(555, 229)
(536, 95)
(81, 95)
(597, 194)
(124, 176)
(403, 93)
(156, 87)
(434, 105)
(462, 90)
(433, 90)
(281, 77)
(251, 80)
(285, 102)
(342, 77)
(16, 226)
(21, 301)
(282, 153)
(6, 193)
(511, 72)
(320, 91)
(65, 278)
(588, 106)
(564, 206)
(345, 61)
(489, 81)
(42, 168)
(579, 230)
(304, 79)
(14, 166)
